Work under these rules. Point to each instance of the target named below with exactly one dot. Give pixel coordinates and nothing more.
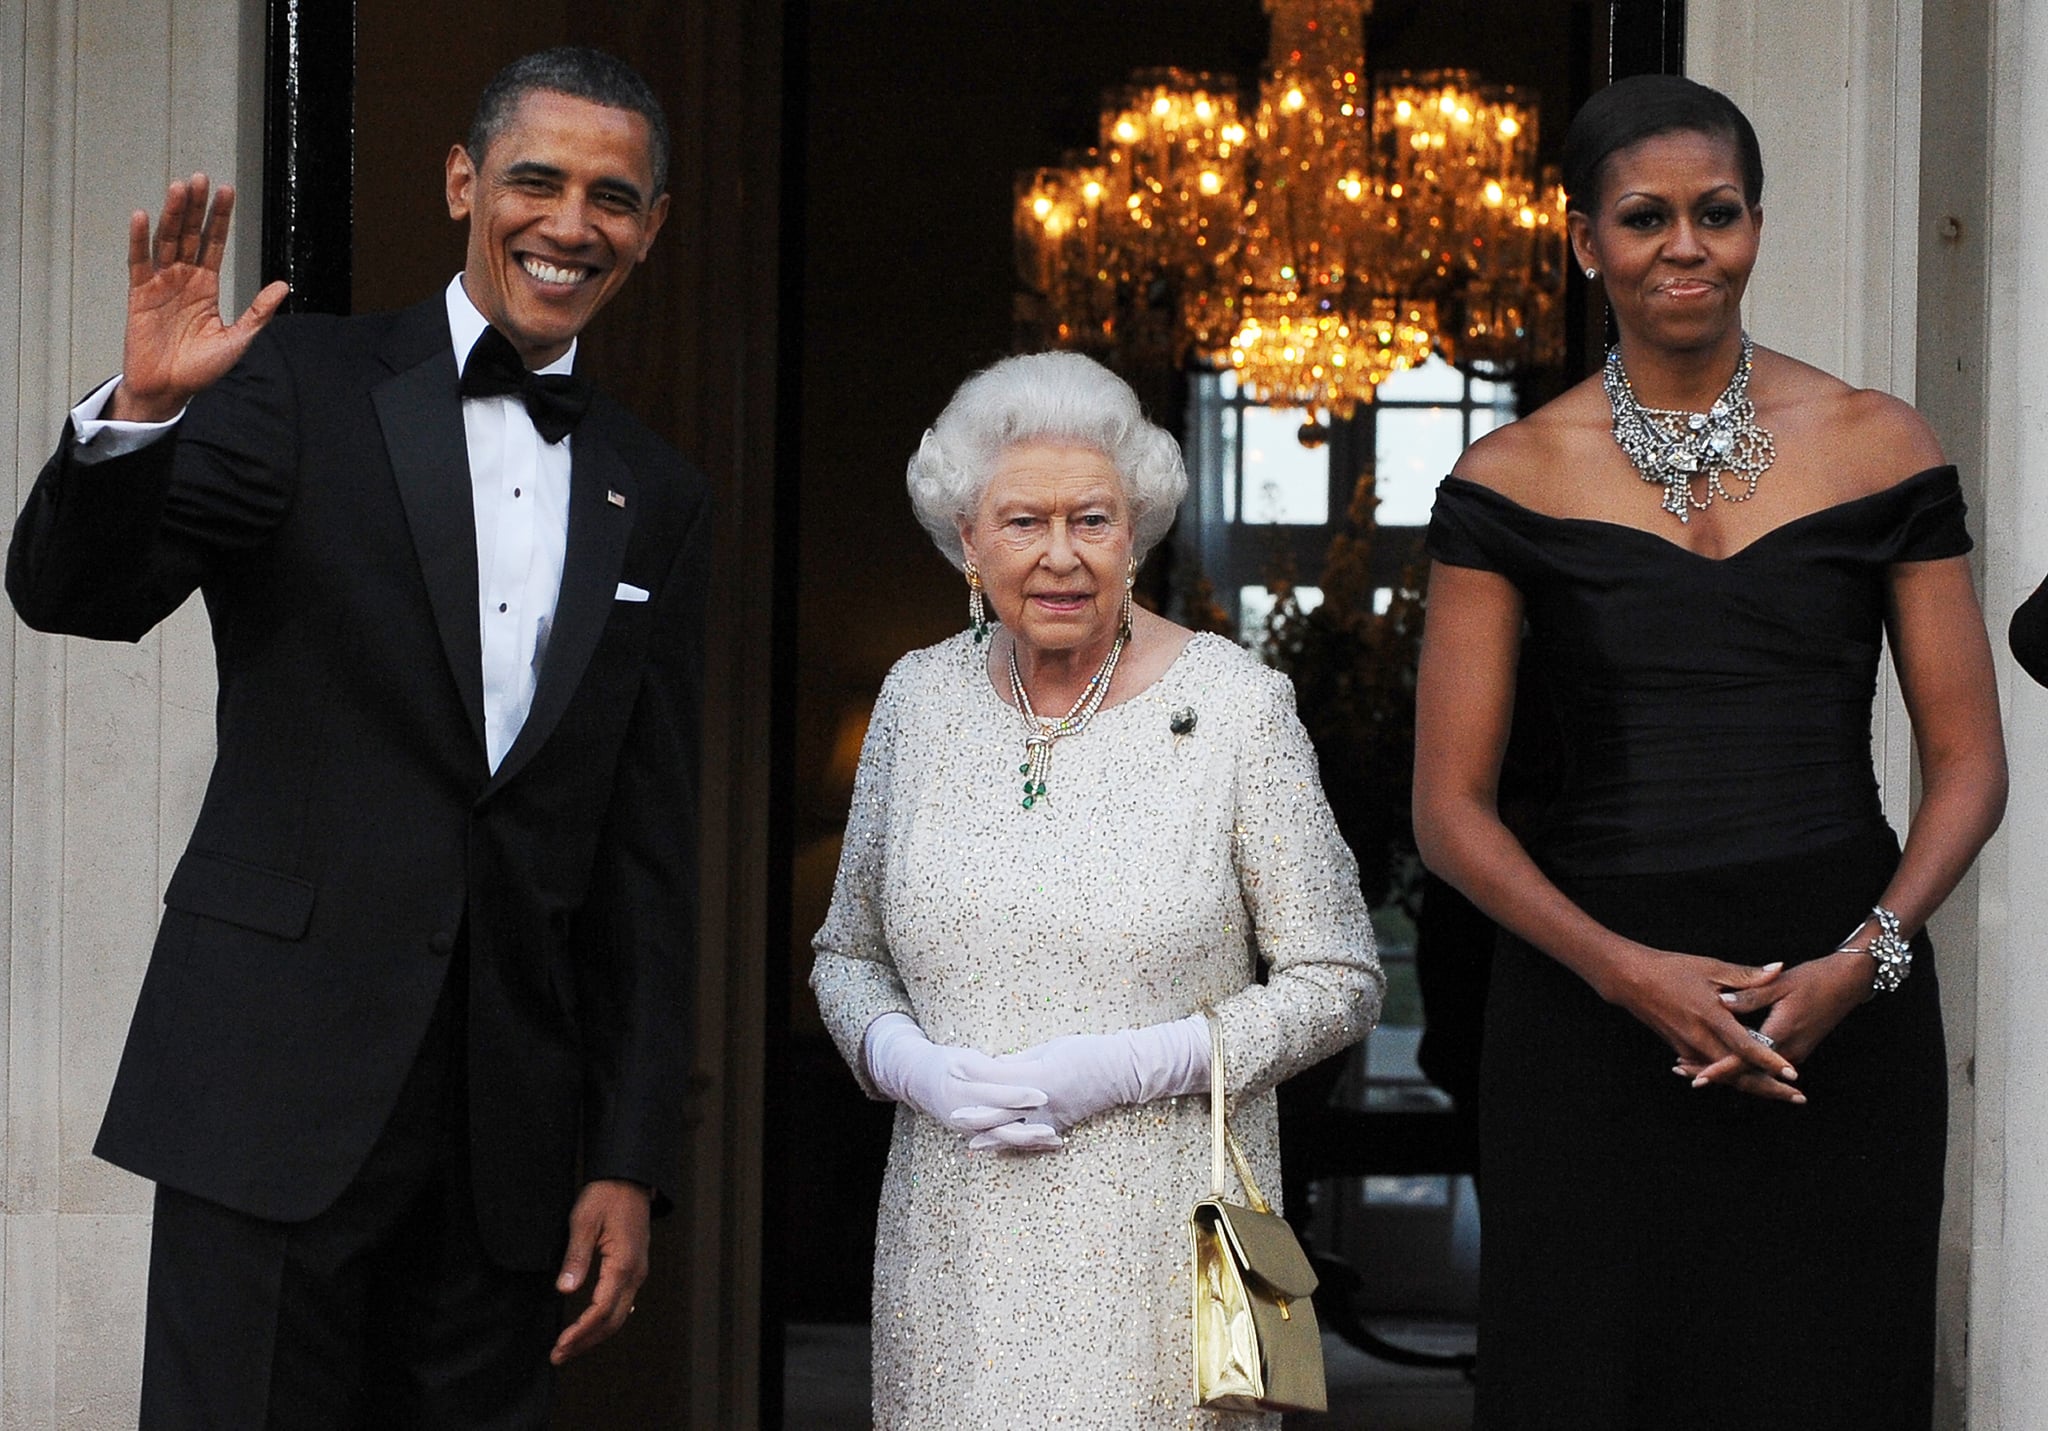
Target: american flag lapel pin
(617, 499)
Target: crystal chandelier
(1328, 242)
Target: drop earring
(1130, 580)
(977, 613)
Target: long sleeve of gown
(854, 978)
(1310, 927)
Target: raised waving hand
(176, 343)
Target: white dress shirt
(519, 489)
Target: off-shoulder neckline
(1502, 499)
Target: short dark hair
(1641, 107)
(581, 73)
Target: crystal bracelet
(1889, 948)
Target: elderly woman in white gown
(1074, 825)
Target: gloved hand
(959, 1087)
(1085, 1074)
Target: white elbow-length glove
(1086, 1074)
(965, 1090)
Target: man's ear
(461, 182)
(656, 216)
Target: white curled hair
(1043, 397)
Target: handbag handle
(1220, 1134)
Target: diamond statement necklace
(1692, 454)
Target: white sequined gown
(1042, 1290)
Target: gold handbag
(1257, 1345)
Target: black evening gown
(1656, 1257)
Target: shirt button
(515, 491)
(501, 606)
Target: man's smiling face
(561, 206)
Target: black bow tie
(554, 401)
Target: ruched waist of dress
(1689, 776)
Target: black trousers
(381, 1314)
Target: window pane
(1283, 481)
(1486, 419)
(1255, 604)
(1435, 381)
(1416, 447)
(1226, 457)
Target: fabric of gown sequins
(1033, 1290)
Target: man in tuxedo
(408, 1061)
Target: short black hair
(1642, 107)
(581, 73)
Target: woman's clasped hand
(966, 1090)
(1800, 1006)
(1023, 1102)
(1689, 1002)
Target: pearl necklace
(1673, 448)
(1040, 732)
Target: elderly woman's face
(1052, 538)
(1674, 238)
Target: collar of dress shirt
(466, 325)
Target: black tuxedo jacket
(352, 833)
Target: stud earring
(977, 613)
(1591, 274)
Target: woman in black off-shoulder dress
(1713, 1104)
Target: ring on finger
(1763, 1038)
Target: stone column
(100, 102)
(2009, 131)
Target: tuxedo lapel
(420, 410)
(601, 508)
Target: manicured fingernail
(1788, 1073)
(1774, 967)
(1727, 998)
(1700, 1082)
(1798, 1098)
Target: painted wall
(100, 100)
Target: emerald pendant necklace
(1040, 732)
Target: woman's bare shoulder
(1871, 438)
(1527, 460)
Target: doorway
(917, 118)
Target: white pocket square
(630, 592)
